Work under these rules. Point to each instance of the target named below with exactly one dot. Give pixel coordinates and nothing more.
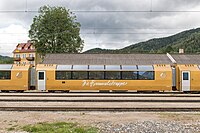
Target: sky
(110, 24)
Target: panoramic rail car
(52, 77)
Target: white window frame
(17, 55)
(24, 55)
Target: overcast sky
(103, 29)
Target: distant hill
(6, 60)
(188, 40)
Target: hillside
(6, 60)
(188, 40)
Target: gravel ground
(109, 122)
(149, 127)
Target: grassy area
(59, 127)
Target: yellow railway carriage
(14, 77)
(188, 77)
(53, 77)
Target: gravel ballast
(149, 127)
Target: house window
(31, 62)
(17, 55)
(17, 62)
(30, 55)
(24, 63)
(24, 55)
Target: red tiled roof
(25, 47)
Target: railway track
(100, 102)
(100, 109)
(93, 95)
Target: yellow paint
(160, 83)
(194, 76)
(16, 82)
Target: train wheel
(51, 91)
(4, 91)
(104, 91)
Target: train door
(41, 80)
(185, 80)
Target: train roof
(186, 58)
(121, 59)
(106, 59)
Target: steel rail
(96, 95)
(100, 100)
(100, 109)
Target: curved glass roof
(6, 67)
(145, 68)
(64, 67)
(100, 67)
(96, 67)
(129, 67)
(80, 67)
(113, 67)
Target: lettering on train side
(106, 83)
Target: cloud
(9, 39)
(141, 26)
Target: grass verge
(59, 127)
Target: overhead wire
(109, 11)
(109, 28)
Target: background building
(25, 53)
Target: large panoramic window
(5, 75)
(96, 75)
(63, 75)
(112, 75)
(80, 75)
(146, 75)
(128, 75)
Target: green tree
(56, 30)
(168, 49)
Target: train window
(113, 67)
(129, 75)
(80, 67)
(112, 75)
(64, 67)
(146, 75)
(96, 75)
(129, 68)
(80, 75)
(185, 76)
(41, 75)
(5, 75)
(96, 67)
(63, 75)
(145, 68)
(5, 67)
